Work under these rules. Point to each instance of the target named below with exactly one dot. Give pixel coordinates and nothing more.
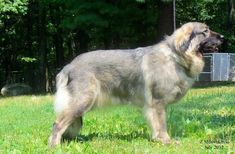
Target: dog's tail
(62, 96)
(61, 80)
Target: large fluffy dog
(152, 77)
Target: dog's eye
(206, 31)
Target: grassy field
(203, 121)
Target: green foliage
(203, 121)
(76, 26)
(15, 6)
(27, 59)
(120, 19)
(212, 12)
(140, 1)
(7, 8)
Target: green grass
(203, 121)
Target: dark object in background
(16, 89)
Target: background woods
(37, 37)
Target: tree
(39, 37)
(230, 14)
(55, 15)
(11, 13)
(42, 50)
(165, 19)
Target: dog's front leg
(156, 116)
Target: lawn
(203, 121)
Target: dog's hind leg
(74, 129)
(67, 124)
(82, 96)
(63, 121)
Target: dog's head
(196, 38)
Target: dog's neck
(192, 63)
(188, 60)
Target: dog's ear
(183, 38)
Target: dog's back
(116, 73)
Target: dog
(152, 77)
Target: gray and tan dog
(152, 77)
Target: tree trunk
(142, 27)
(29, 73)
(58, 41)
(42, 47)
(7, 66)
(230, 14)
(107, 39)
(81, 39)
(7, 49)
(165, 21)
(174, 15)
(70, 47)
(57, 36)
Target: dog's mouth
(210, 45)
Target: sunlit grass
(204, 122)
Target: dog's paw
(52, 142)
(165, 141)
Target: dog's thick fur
(152, 77)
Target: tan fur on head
(188, 40)
(182, 36)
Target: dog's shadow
(126, 137)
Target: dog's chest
(175, 90)
(183, 84)
(183, 87)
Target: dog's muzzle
(211, 44)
